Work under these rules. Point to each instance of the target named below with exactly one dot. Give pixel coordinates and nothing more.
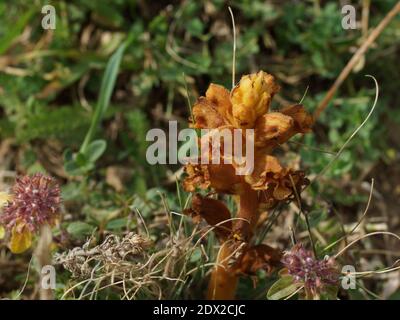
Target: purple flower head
(35, 201)
(305, 268)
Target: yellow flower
(4, 198)
(21, 238)
(252, 97)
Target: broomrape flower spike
(252, 98)
(246, 107)
(34, 202)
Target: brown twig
(356, 57)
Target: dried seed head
(35, 202)
(305, 268)
(118, 254)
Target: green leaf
(283, 288)
(67, 123)
(195, 27)
(71, 190)
(95, 150)
(196, 255)
(330, 292)
(81, 159)
(72, 168)
(68, 155)
(80, 229)
(117, 224)
(78, 166)
(106, 89)
(395, 295)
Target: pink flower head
(35, 201)
(305, 268)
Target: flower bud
(252, 97)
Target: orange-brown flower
(246, 107)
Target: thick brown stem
(248, 213)
(223, 282)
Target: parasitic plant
(246, 107)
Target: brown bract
(214, 212)
(277, 183)
(259, 257)
(214, 110)
(221, 177)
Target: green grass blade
(106, 89)
(15, 31)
